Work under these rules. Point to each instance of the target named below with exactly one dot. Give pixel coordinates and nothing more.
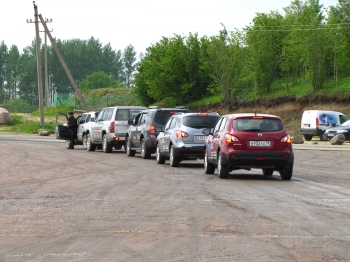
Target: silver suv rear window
(257, 125)
(162, 116)
(200, 121)
(126, 114)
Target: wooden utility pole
(38, 65)
(77, 91)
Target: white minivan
(315, 122)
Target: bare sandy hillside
(289, 111)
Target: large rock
(5, 116)
(298, 140)
(338, 139)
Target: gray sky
(137, 22)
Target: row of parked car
(228, 142)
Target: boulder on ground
(338, 139)
(298, 140)
(44, 133)
(5, 116)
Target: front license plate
(201, 138)
(259, 143)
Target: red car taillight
(230, 139)
(111, 127)
(287, 139)
(181, 134)
(152, 130)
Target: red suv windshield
(257, 125)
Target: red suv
(245, 141)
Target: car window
(258, 125)
(122, 114)
(217, 126)
(343, 119)
(347, 123)
(223, 124)
(174, 123)
(108, 114)
(133, 113)
(83, 118)
(88, 118)
(100, 116)
(167, 126)
(200, 121)
(162, 116)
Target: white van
(315, 122)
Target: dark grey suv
(143, 130)
(183, 137)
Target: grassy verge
(21, 125)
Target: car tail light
(230, 139)
(257, 117)
(152, 130)
(316, 122)
(202, 114)
(286, 139)
(111, 127)
(173, 112)
(181, 134)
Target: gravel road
(74, 205)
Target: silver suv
(183, 137)
(110, 127)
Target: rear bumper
(257, 159)
(188, 150)
(311, 131)
(116, 139)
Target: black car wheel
(159, 157)
(267, 171)
(222, 171)
(174, 161)
(106, 147)
(145, 151)
(84, 142)
(286, 173)
(89, 146)
(67, 144)
(308, 137)
(129, 151)
(209, 168)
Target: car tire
(160, 159)
(286, 173)
(222, 171)
(267, 171)
(89, 145)
(308, 137)
(129, 151)
(84, 142)
(323, 137)
(106, 147)
(145, 151)
(174, 161)
(209, 168)
(67, 144)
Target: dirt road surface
(74, 205)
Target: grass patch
(20, 125)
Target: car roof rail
(180, 107)
(153, 107)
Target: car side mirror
(131, 122)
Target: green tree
(12, 78)
(3, 60)
(265, 43)
(98, 80)
(129, 63)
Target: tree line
(18, 71)
(307, 43)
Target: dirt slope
(289, 109)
